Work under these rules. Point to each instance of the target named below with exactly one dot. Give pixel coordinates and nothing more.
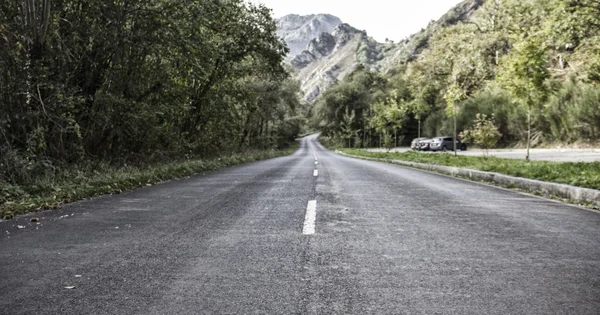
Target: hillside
(408, 49)
(332, 54)
(531, 68)
(330, 57)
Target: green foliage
(493, 101)
(86, 181)
(524, 72)
(534, 65)
(388, 140)
(585, 175)
(354, 95)
(574, 112)
(454, 94)
(124, 82)
(346, 127)
(389, 113)
(484, 133)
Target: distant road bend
(310, 233)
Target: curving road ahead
(289, 236)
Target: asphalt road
(385, 240)
(553, 155)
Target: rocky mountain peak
(298, 30)
(330, 56)
(343, 33)
(325, 44)
(322, 45)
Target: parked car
(445, 144)
(424, 144)
(415, 143)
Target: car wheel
(463, 147)
(444, 148)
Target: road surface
(289, 236)
(553, 155)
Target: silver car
(446, 143)
(424, 145)
(415, 143)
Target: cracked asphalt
(387, 240)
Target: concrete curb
(575, 194)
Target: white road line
(316, 173)
(316, 162)
(312, 148)
(310, 218)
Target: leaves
(134, 81)
(514, 58)
(484, 133)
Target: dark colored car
(415, 143)
(445, 144)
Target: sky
(392, 19)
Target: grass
(586, 175)
(78, 184)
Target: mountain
(298, 31)
(410, 48)
(329, 55)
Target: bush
(574, 113)
(484, 133)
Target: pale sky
(380, 18)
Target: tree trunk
(395, 137)
(364, 144)
(528, 134)
(247, 130)
(419, 132)
(455, 136)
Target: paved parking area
(555, 155)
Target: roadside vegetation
(95, 180)
(532, 65)
(99, 96)
(586, 175)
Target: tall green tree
(525, 75)
(126, 81)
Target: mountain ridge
(330, 55)
(298, 30)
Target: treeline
(130, 81)
(533, 65)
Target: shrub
(484, 133)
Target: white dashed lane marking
(310, 218)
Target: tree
(389, 113)
(346, 126)
(525, 75)
(454, 94)
(126, 81)
(484, 133)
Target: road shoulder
(588, 198)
